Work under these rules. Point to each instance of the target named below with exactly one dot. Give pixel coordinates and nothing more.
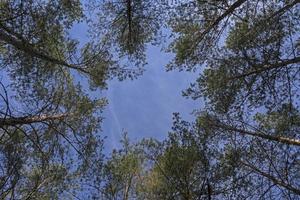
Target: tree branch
(266, 67)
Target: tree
(265, 150)
(244, 146)
(127, 27)
(255, 67)
(191, 164)
(250, 57)
(49, 127)
(122, 172)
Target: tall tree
(193, 164)
(127, 27)
(49, 127)
(122, 173)
(250, 55)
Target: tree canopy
(244, 144)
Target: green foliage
(244, 145)
(126, 27)
(122, 171)
(43, 159)
(284, 122)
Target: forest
(244, 143)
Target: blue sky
(144, 107)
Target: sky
(143, 107)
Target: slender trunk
(28, 48)
(285, 140)
(267, 67)
(209, 191)
(228, 12)
(129, 18)
(127, 188)
(283, 9)
(13, 121)
(272, 178)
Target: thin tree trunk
(28, 48)
(272, 178)
(209, 191)
(127, 188)
(13, 121)
(228, 12)
(129, 16)
(285, 140)
(266, 67)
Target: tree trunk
(26, 47)
(285, 140)
(272, 178)
(13, 121)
